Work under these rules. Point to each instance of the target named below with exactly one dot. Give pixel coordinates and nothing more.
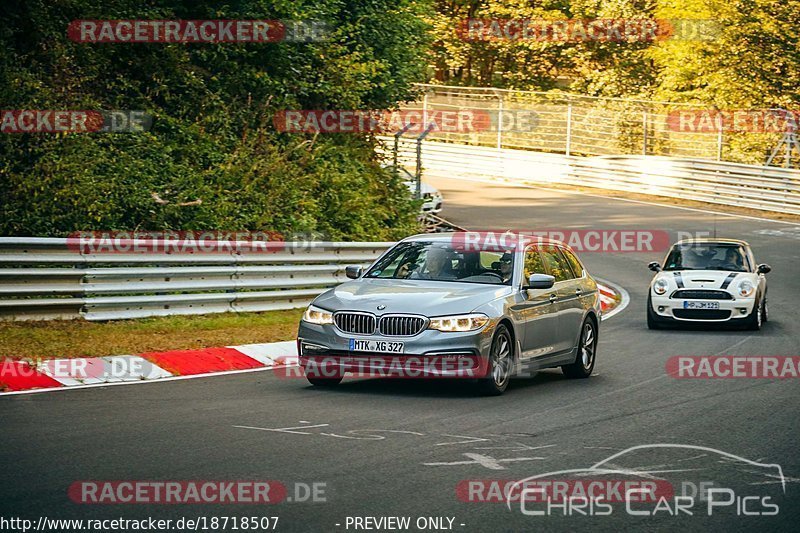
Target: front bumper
(668, 308)
(430, 353)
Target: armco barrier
(44, 278)
(756, 187)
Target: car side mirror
(539, 281)
(353, 271)
(763, 268)
(654, 266)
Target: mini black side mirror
(539, 281)
(353, 271)
(763, 268)
(654, 266)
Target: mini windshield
(707, 256)
(425, 260)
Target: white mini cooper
(708, 280)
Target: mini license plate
(701, 305)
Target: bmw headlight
(660, 286)
(746, 288)
(459, 322)
(315, 315)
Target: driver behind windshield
(437, 266)
(733, 259)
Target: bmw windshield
(436, 261)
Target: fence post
(425, 109)
(569, 128)
(500, 122)
(719, 138)
(644, 132)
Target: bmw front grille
(401, 325)
(352, 322)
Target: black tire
(500, 365)
(652, 319)
(324, 382)
(753, 321)
(587, 352)
(765, 310)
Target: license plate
(364, 345)
(701, 305)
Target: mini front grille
(702, 314)
(697, 294)
(400, 325)
(358, 323)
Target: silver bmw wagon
(445, 306)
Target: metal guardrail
(44, 278)
(757, 187)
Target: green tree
(212, 138)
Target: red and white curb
(26, 377)
(613, 298)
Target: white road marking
(519, 447)
(286, 430)
(371, 437)
(472, 439)
(486, 461)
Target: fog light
(660, 308)
(743, 310)
(313, 348)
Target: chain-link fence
(582, 125)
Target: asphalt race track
(401, 448)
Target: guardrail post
(568, 148)
(719, 139)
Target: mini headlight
(315, 315)
(746, 288)
(459, 322)
(660, 286)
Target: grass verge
(78, 338)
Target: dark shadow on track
(443, 388)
